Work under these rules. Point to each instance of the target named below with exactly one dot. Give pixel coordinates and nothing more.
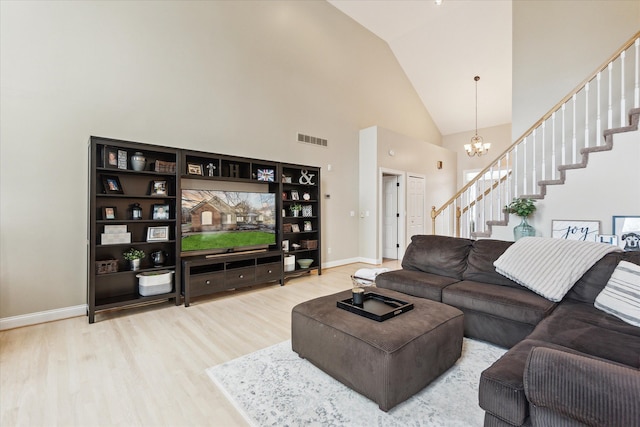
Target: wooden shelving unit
(116, 187)
(111, 208)
(301, 234)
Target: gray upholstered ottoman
(388, 361)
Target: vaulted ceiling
(441, 48)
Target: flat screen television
(216, 221)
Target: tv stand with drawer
(208, 275)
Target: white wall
(557, 44)
(409, 156)
(239, 78)
(498, 136)
(607, 187)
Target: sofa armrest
(569, 389)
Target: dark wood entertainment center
(140, 207)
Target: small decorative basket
(309, 244)
(107, 266)
(165, 167)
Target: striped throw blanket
(550, 267)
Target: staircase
(561, 140)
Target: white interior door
(390, 217)
(415, 205)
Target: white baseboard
(81, 310)
(340, 262)
(42, 317)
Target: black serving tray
(377, 307)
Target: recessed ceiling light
(438, 2)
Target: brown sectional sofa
(568, 364)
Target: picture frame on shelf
(286, 228)
(295, 195)
(286, 179)
(194, 169)
(160, 211)
(627, 229)
(585, 230)
(295, 228)
(122, 159)
(266, 175)
(110, 159)
(308, 226)
(284, 195)
(285, 245)
(159, 188)
(111, 184)
(610, 239)
(307, 210)
(109, 213)
(158, 234)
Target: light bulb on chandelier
(477, 146)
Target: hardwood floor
(146, 366)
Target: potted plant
(522, 207)
(295, 209)
(134, 256)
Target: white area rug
(275, 387)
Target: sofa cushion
(593, 281)
(442, 255)
(586, 329)
(480, 263)
(566, 389)
(520, 305)
(501, 389)
(416, 283)
(621, 296)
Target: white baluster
(509, 179)
(586, 115)
(543, 160)
(534, 175)
(623, 102)
(598, 120)
(564, 145)
(636, 91)
(610, 108)
(524, 166)
(491, 198)
(553, 145)
(515, 171)
(484, 205)
(574, 143)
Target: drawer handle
(241, 276)
(208, 282)
(269, 271)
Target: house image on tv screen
(214, 219)
(213, 215)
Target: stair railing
(558, 141)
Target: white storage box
(115, 238)
(155, 282)
(289, 262)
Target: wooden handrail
(486, 192)
(578, 88)
(459, 211)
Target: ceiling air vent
(314, 140)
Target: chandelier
(477, 146)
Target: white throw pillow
(621, 296)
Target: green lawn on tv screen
(197, 242)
